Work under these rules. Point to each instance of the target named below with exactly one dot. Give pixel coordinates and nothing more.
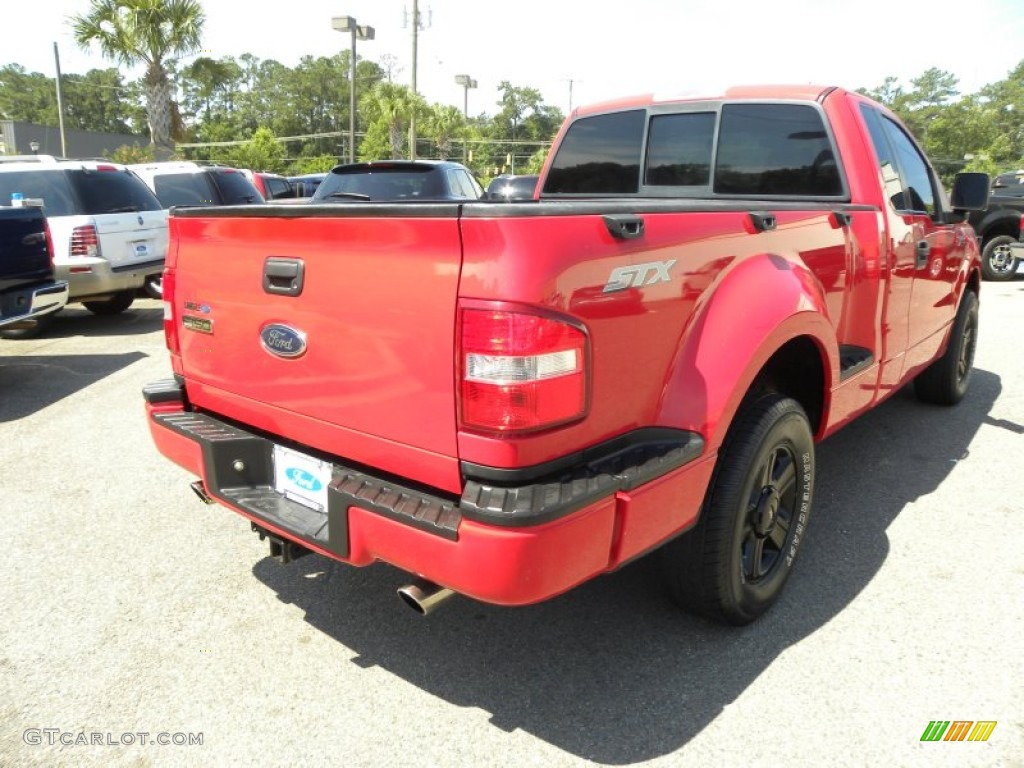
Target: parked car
(109, 230)
(188, 183)
(305, 185)
(184, 183)
(999, 227)
(1011, 184)
(273, 186)
(29, 296)
(506, 188)
(391, 180)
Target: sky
(587, 51)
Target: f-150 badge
(639, 275)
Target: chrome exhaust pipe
(424, 596)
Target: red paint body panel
(378, 311)
(378, 383)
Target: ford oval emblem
(305, 480)
(140, 221)
(282, 341)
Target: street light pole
(348, 24)
(466, 82)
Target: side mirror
(970, 192)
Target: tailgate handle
(624, 227)
(283, 277)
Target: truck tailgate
(363, 353)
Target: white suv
(109, 230)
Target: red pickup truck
(508, 399)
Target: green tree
(148, 33)
(389, 109)
(27, 96)
(263, 152)
(94, 101)
(208, 86)
(443, 124)
(132, 154)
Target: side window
(917, 181)
(599, 155)
(461, 184)
(183, 189)
(278, 188)
(886, 160)
(775, 149)
(679, 150)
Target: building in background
(16, 138)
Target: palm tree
(393, 106)
(146, 32)
(444, 124)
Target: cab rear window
(734, 149)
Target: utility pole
(60, 105)
(416, 26)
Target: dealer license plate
(301, 478)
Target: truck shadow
(612, 672)
(30, 383)
(144, 316)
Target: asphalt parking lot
(133, 612)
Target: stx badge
(639, 275)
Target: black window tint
(278, 188)
(183, 189)
(398, 183)
(679, 149)
(775, 149)
(886, 161)
(235, 189)
(599, 155)
(111, 191)
(49, 186)
(916, 180)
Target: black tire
(733, 565)
(28, 329)
(154, 287)
(997, 261)
(945, 381)
(112, 306)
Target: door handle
(923, 251)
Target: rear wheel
(732, 566)
(945, 381)
(997, 260)
(112, 306)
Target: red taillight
(170, 326)
(520, 372)
(49, 241)
(85, 241)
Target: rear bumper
(32, 301)
(508, 545)
(94, 277)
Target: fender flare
(998, 218)
(735, 332)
